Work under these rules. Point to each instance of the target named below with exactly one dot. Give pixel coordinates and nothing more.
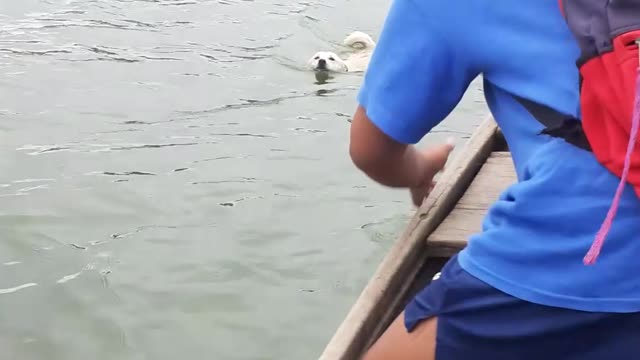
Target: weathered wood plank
(386, 292)
(494, 177)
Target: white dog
(358, 61)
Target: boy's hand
(432, 161)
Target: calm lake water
(175, 185)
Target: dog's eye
(332, 59)
(316, 58)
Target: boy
(519, 290)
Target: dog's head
(327, 61)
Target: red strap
(561, 4)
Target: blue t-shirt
(536, 234)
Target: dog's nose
(322, 63)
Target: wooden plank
(386, 292)
(465, 219)
(494, 177)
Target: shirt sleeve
(417, 74)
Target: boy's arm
(389, 162)
(415, 78)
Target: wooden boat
(438, 230)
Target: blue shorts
(476, 321)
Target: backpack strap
(556, 123)
(561, 6)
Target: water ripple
(44, 149)
(67, 278)
(17, 288)
(243, 180)
(244, 135)
(248, 103)
(127, 173)
(235, 202)
(32, 52)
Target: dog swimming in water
(362, 45)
